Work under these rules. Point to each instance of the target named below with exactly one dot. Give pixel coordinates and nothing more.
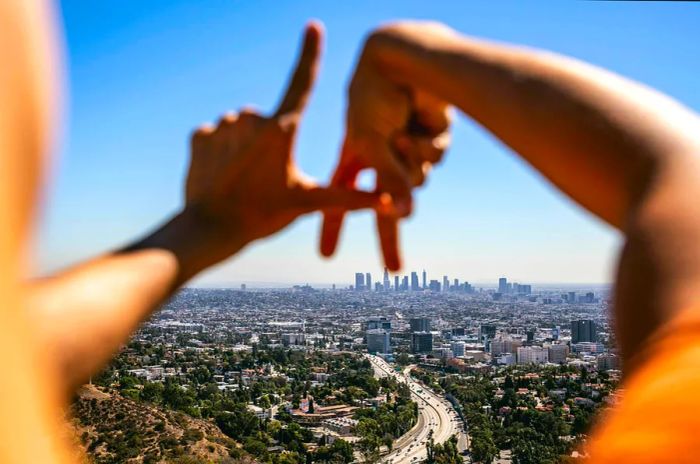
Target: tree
(482, 446)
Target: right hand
(393, 127)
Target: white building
(532, 355)
(588, 347)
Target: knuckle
(228, 119)
(202, 132)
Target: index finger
(300, 85)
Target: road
(434, 413)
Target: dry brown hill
(115, 429)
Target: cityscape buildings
(378, 341)
(287, 343)
(583, 330)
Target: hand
(395, 128)
(243, 182)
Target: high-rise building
(421, 342)
(368, 282)
(425, 280)
(530, 335)
(378, 341)
(558, 353)
(434, 286)
(387, 284)
(378, 323)
(590, 297)
(396, 284)
(419, 324)
(487, 332)
(445, 283)
(404, 284)
(583, 330)
(571, 298)
(414, 282)
(359, 281)
(503, 285)
(532, 355)
(456, 284)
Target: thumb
(330, 198)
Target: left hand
(394, 127)
(243, 181)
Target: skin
(626, 153)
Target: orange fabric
(658, 419)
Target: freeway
(434, 413)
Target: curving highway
(434, 413)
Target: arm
(242, 185)
(623, 151)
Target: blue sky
(142, 74)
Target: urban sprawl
(404, 371)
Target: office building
(503, 285)
(378, 323)
(396, 284)
(504, 345)
(587, 347)
(378, 341)
(558, 353)
(425, 280)
(532, 355)
(293, 339)
(368, 282)
(487, 332)
(457, 348)
(414, 282)
(404, 284)
(419, 324)
(434, 286)
(530, 336)
(583, 330)
(445, 283)
(387, 283)
(359, 281)
(606, 362)
(421, 342)
(571, 298)
(555, 333)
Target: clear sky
(141, 74)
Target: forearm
(85, 314)
(578, 125)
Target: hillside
(115, 429)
